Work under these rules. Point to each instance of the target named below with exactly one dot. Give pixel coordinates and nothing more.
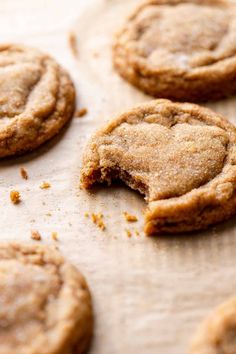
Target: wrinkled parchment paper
(149, 293)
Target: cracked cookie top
(36, 98)
(186, 34)
(175, 154)
(166, 148)
(45, 303)
(174, 38)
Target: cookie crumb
(73, 44)
(24, 173)
(81, 112)
(95, 54)
(129, 217)
(54, 236)
(49, 214)
(45, 185)
(35, 235)
(86, 215)
(97, 219)
(15, 197)
(128, 233)
(137, 233)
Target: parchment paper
(149, 293)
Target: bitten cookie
(37, 98)
(217, 335)
(182, 157)
(45, 303)
(183, 50)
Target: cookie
(181, 156)
(45, 302)
(37, 98)
(217, 335)
(183, 50)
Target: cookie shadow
(38, 152)
(124, 197)
(216, 232)
(120, 194)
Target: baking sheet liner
(149, 293)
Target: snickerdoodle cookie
(37, 98)
(45, 303)
(217, 335)
(184, 50)
(182, 157)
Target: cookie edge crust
(195, 210)
(209, 82)
(211, 326)
(75, 338)
(196, 216)
(11, 144)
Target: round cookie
(183, 50)
(45, 302)
(217, 335)
(37, 98)
(182, 157)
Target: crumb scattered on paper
(45, 185)
(24, 173)
(54, 236)
(15, 197)
(81, 112)
(49, 214)
(95, 54)
(73, 44)
(86, 215)
(97, 219)
(129, 217)
(128, 233)
(137, 233)
(35, 235)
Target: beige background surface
(149, 293)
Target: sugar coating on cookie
(37, 98)
(180, 156)
(45, 302)
(179, 49)
(217, 335)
